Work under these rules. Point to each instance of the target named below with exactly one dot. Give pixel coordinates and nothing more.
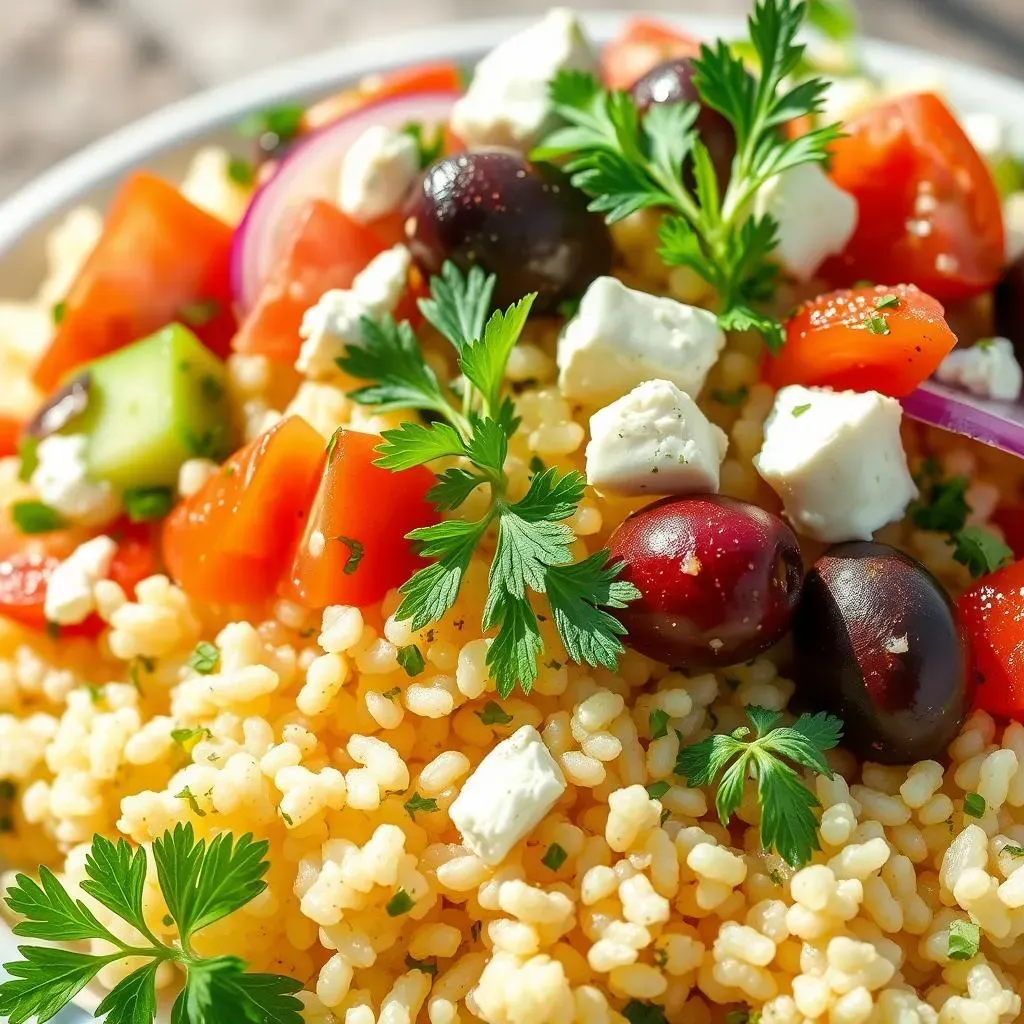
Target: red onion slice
(310, 170)
(1000, 424)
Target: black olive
(61, 408)
(672, 82)
(523, 222)
(875, 642)
(1009, 305)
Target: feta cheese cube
(377, 172)
(334, 323)
(837, 462)
(507, 101)
(69, 591)
(988, 369)
(62, 481)
(621, 337)
(507, 796)
(655, 440)
(816, 218)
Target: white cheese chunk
(62, 480)
(507, 101)
(655, 440)
(816, 218)
(837, 462)
(507, 796)
(989, 134)
(69, 590)
(621, 337)
(377, 172)
(329, 327)
(988, 369)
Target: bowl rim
(190, 118)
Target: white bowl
(165, 140)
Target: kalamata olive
(1009, 305)
(719, 579)
(672, 82)
(61, 407)
(521, 221)
(875, 642)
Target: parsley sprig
(627, 163)
(788, 824)
(201, 884)
(473, 423)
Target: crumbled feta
(377, 172)
(620, 337)
(837, 462)
(1013, 219)
(989, 134)
(507, 796)
(988, 369)
(333, 324)
(69, 590)
(62, 481)
(507, 101)
(655, 440)
(816, 218)
(208, 184)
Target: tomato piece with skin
(436, 77)
(992, 618)
(929, 208)
(159, 259)
(10, 436)
(354, 550)
(860, 340)
(24, 577)
(641, 45)
(325, 249)
(233, 540)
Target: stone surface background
(72, 70)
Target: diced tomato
(24, 577)
(992, 617)
(324, 250)
(234, 540)
(440, 77)
(643, 44)
(159, 259)
(361, 515)
(10, 435)
(859, 340)
(929, 209)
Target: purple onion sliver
(61, 408)
(1000, 424)
(309, 170)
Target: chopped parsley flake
(974, 805)
(964, 940)
(637, 1012)
(876, 324)
(355, 555)
(411, 659)
(737, 396)
(205, 658)
(392, 693)
(190, 798)
(656, 790)
(799, 410)
(146, 503)
(658, 721)
(36, 517)
(887, 302)
(241, 172)
(399, 904)
(555, 857)
(419, 803)
(493, 714)
(59, 311)
(282, 122)
(188, 738)
(426, 966)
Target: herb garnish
(59, 311)
(874, 323)
(981, 551)
(187, 738)
(788, 824)
(145, 503)
(281, 122)
(974, 805)
(493, 714)
(355, 554)
(205, 658)
(964, 940)
(533, 552)
(201, 884)
(656, 790)
(36, 517)
(240, 171)
(419, 803)
(192, 800)
(428, 967)
(429, 148)
(400, 903)
(658, 721)
(627, 164)
(637, 1012)
(887, 302)
(554, 857)
(799, 410)
(411, 659)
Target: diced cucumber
(152, 405)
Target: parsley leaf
(788, 824)
(241, 171)
(981, 551)
(200, 883)
(419, 803)
(637, 1012)
(36, 517)
(625, 163)
(355, 554)
(942, 506)
(554, 857)
(399, 904)
(964, 940)
(282, 121)
(493, 714)
(411, 659)
(974, 805)
(658, 720)
(205, 658)
(429, 148)
(145, 503)
(533, 553)
(428, 967)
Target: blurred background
(72, 70)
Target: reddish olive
(523, 222)
(875, 641)
(719, 579)
(672, 82)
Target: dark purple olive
(672, 82)
(875, 642)
(523, 222)
(719, 579)
(1009, 305)
(61, 407)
